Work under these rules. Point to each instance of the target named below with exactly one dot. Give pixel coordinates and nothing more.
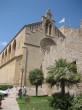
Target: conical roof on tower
(48, 11)
(48, 14)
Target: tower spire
(48, 14)
(81, 22)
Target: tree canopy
(36, 78)
(63, 73)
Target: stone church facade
(38, 45)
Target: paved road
(10, 102)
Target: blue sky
(14, 14)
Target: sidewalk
(10, 102)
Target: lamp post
(22, 70)
(20, 91)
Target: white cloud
(62, 20)
(3, 43)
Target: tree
(36, 78)
(63, 73)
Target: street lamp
(22, 70)
(20, 91)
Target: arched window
(50, 28)
(75, 70)
(9, 49)
(46, 28)
(3, 55)
(6, 52)
(45, 45)
(14, 45)
(2, 58)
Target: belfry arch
(48, 28)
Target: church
(38, 45)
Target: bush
(4, 87)
(61, 102)
(77, 103)
(1, 94)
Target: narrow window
(14, 45)
(6, 52)
(10, 49)
(46, 28)
(50, 28)
(3, 55)
(75, 70)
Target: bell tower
(48, 24)
(48, 14)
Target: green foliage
(36, 77)
(63, 73)
(61, 102)
(1, 94)
(4, 87)
(77, 103)
(36, 103)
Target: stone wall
(7, 73)
(34, 59)
(18, 72)
(70, 49)
(10, 68)
(56, 51)
(73, 49)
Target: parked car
(4, 92)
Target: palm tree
(63, 73)
(36, 78)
